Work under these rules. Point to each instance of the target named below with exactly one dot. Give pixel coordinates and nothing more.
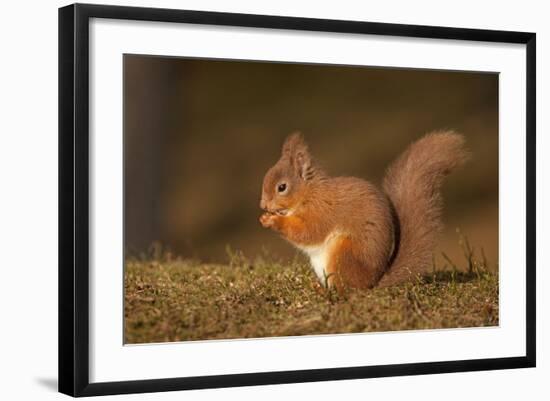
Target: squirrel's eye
(281, 187)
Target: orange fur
(291, 227)
(357, 234)
(346, 269)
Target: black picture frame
(74, 198)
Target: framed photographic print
(251, 199)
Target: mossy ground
(177, 300)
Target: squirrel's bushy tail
(413, 184)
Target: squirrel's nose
(263, 204)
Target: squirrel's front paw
(267, 220)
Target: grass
(169, 299)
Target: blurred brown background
(200, 135)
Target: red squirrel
(356, 235)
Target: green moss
(175, 300)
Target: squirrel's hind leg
(345, 270)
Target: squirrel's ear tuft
(292, 143)
(296, 151)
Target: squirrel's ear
(296, 151)
(292, 143)
(303, 165)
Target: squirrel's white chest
(319, 255)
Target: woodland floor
(176, 300)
